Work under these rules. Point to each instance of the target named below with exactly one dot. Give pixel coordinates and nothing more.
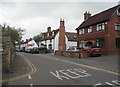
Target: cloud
(35, 17)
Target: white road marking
(83, 72)
(29, 76)
(67, 74)
(116, 82)
(97, 84)
(108, 83)
(70, 74)
(31, 85)
(87, 66)
(59, 76)
(112, 83)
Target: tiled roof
(100, 17)
(51, 36)
(71, 36)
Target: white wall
(34, 44)
(67, 46)
(47, 43)
(56, 42)
(40, 43)
(72, 43)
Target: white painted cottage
(58, 39)
(25, 45)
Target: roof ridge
(99, 17)
(106, 10)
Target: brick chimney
(48, 29)
(62, 41)
(86, 15)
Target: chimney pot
(49, 29)
(87, 15)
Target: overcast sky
(35, 17)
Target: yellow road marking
(33, 70)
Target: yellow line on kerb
(33, 70)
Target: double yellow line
(33, 70)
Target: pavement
(110, 63)
(20, 67)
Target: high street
(45, 69)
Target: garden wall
(72, 54)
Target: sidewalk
(104, 62)
(20, 67)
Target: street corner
(22, 69)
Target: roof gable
(51, 36)
(100, 17)
(71, 36)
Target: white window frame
(117, 26)
(100, 26)
(118, 11)
(81, 31)
(90, 29)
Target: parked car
(27, 50)
(34, 51)
(73, 48)
(93, 50)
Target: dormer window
(118, 11)
(74, 37)
(53, 33)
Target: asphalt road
(50, 70)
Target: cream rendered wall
(72, 43)
(56, 42)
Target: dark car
(93, 50)
(34, 51)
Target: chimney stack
(61, 22)
(48, 29)
(87, 15)
(62, 39)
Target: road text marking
(29, 76)
(70, 74)
(112, 83)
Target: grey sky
(35, 17)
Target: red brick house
(102, 29)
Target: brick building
(102, 29)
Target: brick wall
(8, 53)
(72, 54)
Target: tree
(15, 33)
(37, 38)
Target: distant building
(102, 29)
(58, 39)
(25, 45)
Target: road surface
(50, 70)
